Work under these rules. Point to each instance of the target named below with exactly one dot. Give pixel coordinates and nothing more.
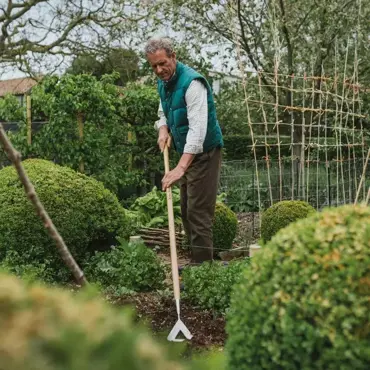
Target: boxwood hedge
(281, 214)
(304, 303)
(87, 215)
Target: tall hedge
(49, 329)
(87, 215)
(281, 214)
(304, 303)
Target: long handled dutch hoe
(179, 326)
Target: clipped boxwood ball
(87, 216)
(304, 303)
(49, 328)
(225, 226)
(281, 215)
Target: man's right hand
(163, 137)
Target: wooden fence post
(29, 120)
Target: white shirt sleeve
(162, 118)
(197, 108)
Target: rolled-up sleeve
(197, 111)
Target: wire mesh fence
(326, 184)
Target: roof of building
(17, 86)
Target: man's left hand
(172, 177)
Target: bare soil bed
(159, 313)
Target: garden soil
(159, 312)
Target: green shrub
(209, 285)
(281, 215)
(86, 214)
(225, 226)
(48, 329)
(129, 266)
(238, 146)
(304, 302)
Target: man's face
(163, 65)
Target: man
(187, 112)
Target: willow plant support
(362, 181)
(266, 130)
(313, 92)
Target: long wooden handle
(171, 229)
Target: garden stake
(179, 326)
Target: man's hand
(163, 137)
(178, 172)
(172, 177)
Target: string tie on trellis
(276, 123)
(254, 145)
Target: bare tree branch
(254, 59)
(66, 27)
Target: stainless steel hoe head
(176, 330)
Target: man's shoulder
(187, 70)
(190, 76)
(197, 85)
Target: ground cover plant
(209, 285)
(127, 267)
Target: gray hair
(156, 44)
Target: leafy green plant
(151, 209)
(51, 328)
(87, 216)
(13, 263)
(130, 265)
(11, 110)
(104, 149)
(119, 142)
(225, 226)
(304, 301)
(210, 284)
(281, 214)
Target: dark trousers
(198, 188)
